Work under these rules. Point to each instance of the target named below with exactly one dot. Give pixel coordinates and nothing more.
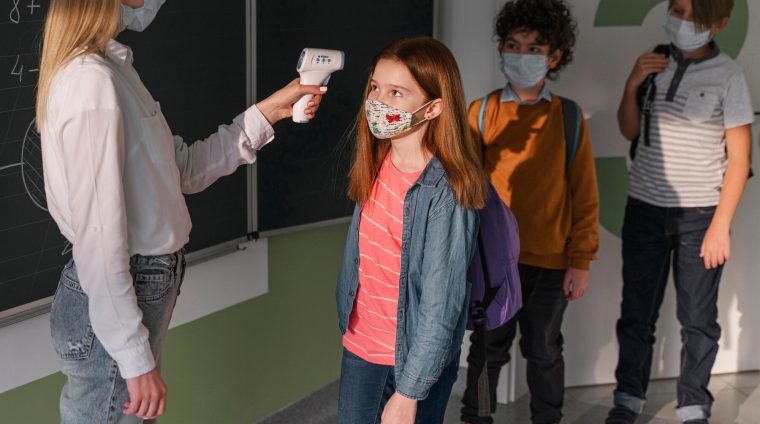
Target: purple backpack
(496, 294)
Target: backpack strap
(645, 97)
(482, 113)
(478, 317)
(490, 292)
(571, 114)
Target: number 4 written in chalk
(18, 69)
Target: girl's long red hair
(448, 136)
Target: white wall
(595, 79)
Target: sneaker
(621, 415)
(699, 421)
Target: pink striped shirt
(371, 333)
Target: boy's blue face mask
(524, 70)
(683, 34)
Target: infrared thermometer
(315, 67)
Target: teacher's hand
(147, 396)
(280, 104)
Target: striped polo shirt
(696, 101)
(371, 333)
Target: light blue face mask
(139, 19)
(524, 70)
(683, 34)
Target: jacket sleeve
(584, 233)
(443, 297)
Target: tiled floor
(737, 401)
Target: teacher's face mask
(139, 19)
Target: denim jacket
(437, 244)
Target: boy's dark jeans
(540, 321)
(653, 237)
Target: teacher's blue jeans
(94, 392)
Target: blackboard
(193, 59)
(302, 174)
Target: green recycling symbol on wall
(612, 172)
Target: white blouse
(114, 179)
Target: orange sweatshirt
(557, 210)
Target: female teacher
(114, 179)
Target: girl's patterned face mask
(388, 122)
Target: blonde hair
(448, 137)
(73, 28)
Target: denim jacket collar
(432, 173)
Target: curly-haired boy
(536, 150)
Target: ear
(553, 59)
(434, 109)
(720, 26)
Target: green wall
(243, 363)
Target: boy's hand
(147, 396)
(575, 283)
(716, 247)
(280, 104)
(399, 410)
(649, 63)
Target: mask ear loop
(419, 109)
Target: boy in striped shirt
(686, 181)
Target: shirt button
(406, 210)
(398, 347)
(356, 261)
(401, 314)
(351, 293)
